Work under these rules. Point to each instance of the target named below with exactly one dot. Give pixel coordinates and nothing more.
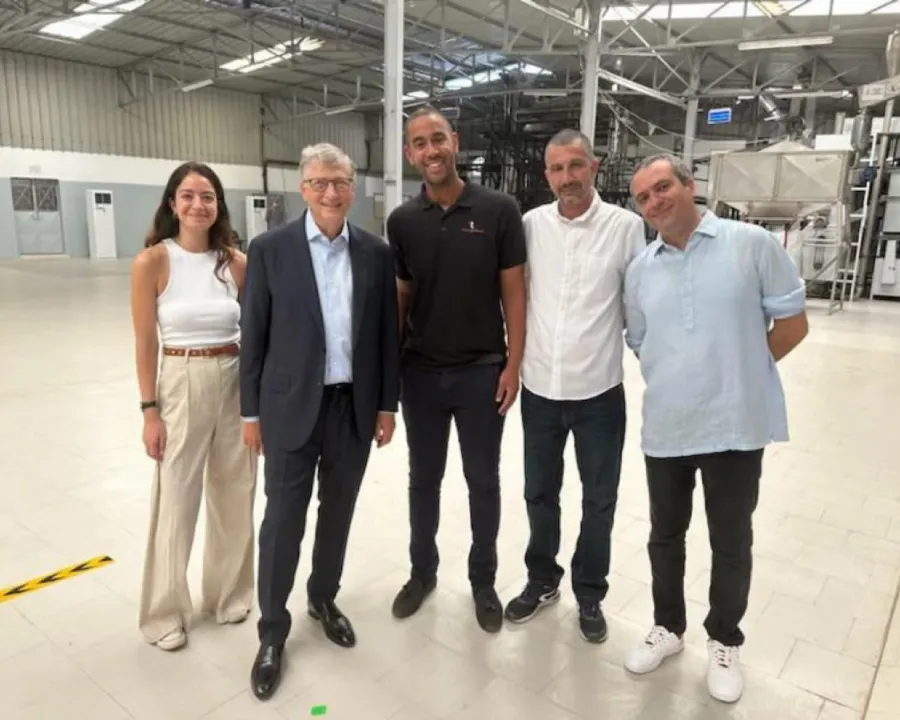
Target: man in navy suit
(319, 382)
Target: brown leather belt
(232, 349)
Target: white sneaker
(656, 647)
(174, 640)
(724, 679)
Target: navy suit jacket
(282, 362)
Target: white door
(37, 221)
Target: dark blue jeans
(598, 426)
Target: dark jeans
(731, 490)
(598, 426)
(341, 456)
(430, 399)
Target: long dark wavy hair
(166, 225)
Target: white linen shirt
(575, 277)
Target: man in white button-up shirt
(578, 250)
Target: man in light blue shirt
(711, 306)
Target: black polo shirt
(453, 258)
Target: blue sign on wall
(718, 116)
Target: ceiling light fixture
(637, 87)
(785, 42)
(197, 85)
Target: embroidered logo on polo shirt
(473, 229)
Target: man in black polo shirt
(460, 255)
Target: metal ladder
(848, 249)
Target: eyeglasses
(320, 185)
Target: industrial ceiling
(330, 53)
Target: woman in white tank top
(185, 302)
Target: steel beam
(393, 106)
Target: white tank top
(196, 309)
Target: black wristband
(148, 404)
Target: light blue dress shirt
(697, 319)
(334, 280)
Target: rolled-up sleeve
(635, 324)
(783, 290)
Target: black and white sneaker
(532, 599)
(591, 622)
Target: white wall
(119, 169)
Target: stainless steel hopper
(781, 183)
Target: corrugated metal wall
(51, 105)
(347, 131)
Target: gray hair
(679, 167)
(327, 154)
(571, 137)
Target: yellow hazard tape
(39, 583)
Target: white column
(690, 120)
(393, 106)
(589, 80)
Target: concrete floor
(75, 484)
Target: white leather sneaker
(656, 647)
(724, 679)
(173, 640)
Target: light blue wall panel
(134, 209)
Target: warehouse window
(34, 195)
(46, 195)
(22, 194)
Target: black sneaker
(411, 597)
(532, 599)
(591, 621)
(488, 610)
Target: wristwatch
(146, 405)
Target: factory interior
(785, 112)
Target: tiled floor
(74, 484)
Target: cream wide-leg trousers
(199, 405)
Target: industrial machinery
(881, 240)
(101, 221)
(783, 185)
(256, 210)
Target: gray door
(38, 225)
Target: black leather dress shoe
(337, 627)
(266, 673)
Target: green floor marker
(318, 710)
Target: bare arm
(783, 295)
(512, 297)
(238, 267)
(786, 334)
(144, 279)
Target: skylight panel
(272, 55)
(493, 74)
(87, 22)
(735, 9)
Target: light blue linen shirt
(697, 319)
(334, 280)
